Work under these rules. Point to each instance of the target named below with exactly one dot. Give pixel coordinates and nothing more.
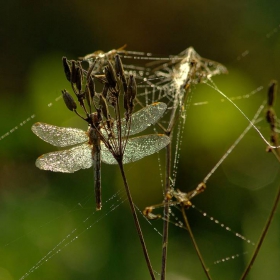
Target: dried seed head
(270, 118)
(104, 107)
(73, 72)
(271, 95)
(130, 95)
(66, 67)
(79, 77)
(91, 86)
(120, 71)
(101, 78)
(110, 75)
(273, 139)
(132, 87)
(69, 101)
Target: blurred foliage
(39, 209)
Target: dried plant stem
(263, 235)
(194, 243)
(166, 212)
(136, 221)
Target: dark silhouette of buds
(271, 96)
(91, 86)
(131, 91)
(73, 72)
(110, 75)
(104, 107)
(120, 71)
(66, 67)
(69, 101)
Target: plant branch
(206, 270)
(264, 232)
(166, 212)
(136, 221)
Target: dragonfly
(89, 152)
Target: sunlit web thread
(213, 85)
(180, 134)
(69, 237)
(175, 220)
(233, 98)
(230, 258)
(227, 153)
(26, 121)
(74, 209)
(222, 225)
(147, 220)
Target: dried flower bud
(105, 91)
(69, 101)
(104, 107)
(131, 92)
(110, 75)
(120, 71)
(79, 77)
(101, 78)
(132, 87)
(73, 72)
(270, 117)
(66, 67)
(91, 86)
(271, 95)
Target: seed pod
(66, 68)
(271, 95)
(120, 71)
(105, 91)
(110, 75)
(91, 86)
(104, 107)
(271, 118)
(131, 92)
(69, 101)
(73, 72)
(79, 77)
(101, 78)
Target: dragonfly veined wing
(81, 156)
(59, 136)
(67, 161)
(137, 148)
(143, 118)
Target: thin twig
(136, 221)
(206, 270)
(166, 212)
(264, 232)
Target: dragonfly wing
(140, 120)
(145, 117)
(59, 136)
(68, 161)
(137, 148)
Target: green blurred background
(38, 209)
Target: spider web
(157, 83)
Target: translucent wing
(67, 161)
(142, 119)
(145, 117)
(59, 136)
(137, 148)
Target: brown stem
(137, 224)
(166, 212)
(264, 232)
(194, 243)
